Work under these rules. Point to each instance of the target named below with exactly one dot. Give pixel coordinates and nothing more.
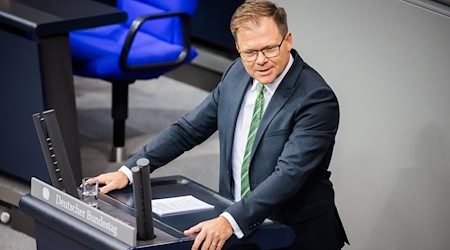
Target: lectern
(124, 218)
(58, 229)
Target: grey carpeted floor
(153, 105)
(12, 240)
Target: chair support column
(119, 113)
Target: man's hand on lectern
(212, 233)
(112, 181)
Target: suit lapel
(233, 112)
(279, 99)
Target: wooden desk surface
(50, 17)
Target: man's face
(265, 35)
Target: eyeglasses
(269, 52)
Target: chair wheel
(5, 217)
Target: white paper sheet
(179, 205)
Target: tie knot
(260, 88)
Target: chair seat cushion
(96, 52)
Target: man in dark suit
(277, 120)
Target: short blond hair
(252, 10)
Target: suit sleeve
(315, 123)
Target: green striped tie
(256, 118)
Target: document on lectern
(179, 205)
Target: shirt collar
(272, 87)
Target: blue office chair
(154, 40)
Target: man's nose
(261, 59)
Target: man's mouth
(264, 71)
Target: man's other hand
(112, 181)
(212, 233)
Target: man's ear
(288, 40)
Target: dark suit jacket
(291, 153)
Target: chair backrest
(163, 28)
